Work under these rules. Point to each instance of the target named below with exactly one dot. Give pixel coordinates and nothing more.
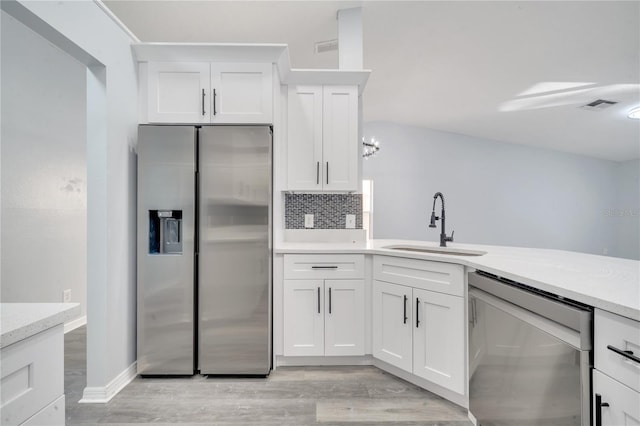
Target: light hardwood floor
(289, 396)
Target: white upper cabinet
(322, 149)
(177, 92)
(304, 150)
(209, 92)
(241, 93)
(340, 138)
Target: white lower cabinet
(32, 380)
(416, 329)
(303, 318)
(323, 317)
(619, 404)
(438, 339)
(323, 305)
(392, 319)
(616, 377)
(421, 332)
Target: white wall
(44, 170)
(496, 193)
(83, 29)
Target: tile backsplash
(329, 210)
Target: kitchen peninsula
(419, 321)
(32, 362)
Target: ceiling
(511, 71)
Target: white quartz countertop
(608, 283)
(19, 321)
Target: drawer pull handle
(324, 267)
(626, 354)
(329, 299)
(417, 313)
(318, 299)
(599, 405)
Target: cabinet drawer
(32, 375)
(621, 333)
(434, 276)
(323, 266)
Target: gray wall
(498, 193)
(44, 170)
(626, 210)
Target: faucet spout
(432, 224)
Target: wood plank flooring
(362, 395)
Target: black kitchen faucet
(432, 224)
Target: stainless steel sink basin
(438, 250)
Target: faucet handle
(451, 237)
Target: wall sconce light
(370, 148)
(634, 112)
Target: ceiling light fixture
(634, 113)
(370, 148)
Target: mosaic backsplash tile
(329, 210)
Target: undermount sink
(438, 250)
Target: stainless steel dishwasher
(530, 355)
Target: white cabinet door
(340, 138)
(438, 339)
(304, 147)
(241, 93)
(624, 402)
(392, 324)
(178, 92)
(344, 317)
(303, 318)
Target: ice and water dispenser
(165, 231)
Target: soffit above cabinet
(239, 52)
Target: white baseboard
(75, 323)
(101, 395)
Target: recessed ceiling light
(634, 113)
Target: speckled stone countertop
(19, 321)
(607, 283)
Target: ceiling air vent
(598, 105)
(326, 46)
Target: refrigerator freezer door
(166, 187)
(234, 260)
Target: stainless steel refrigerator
(204, 250)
